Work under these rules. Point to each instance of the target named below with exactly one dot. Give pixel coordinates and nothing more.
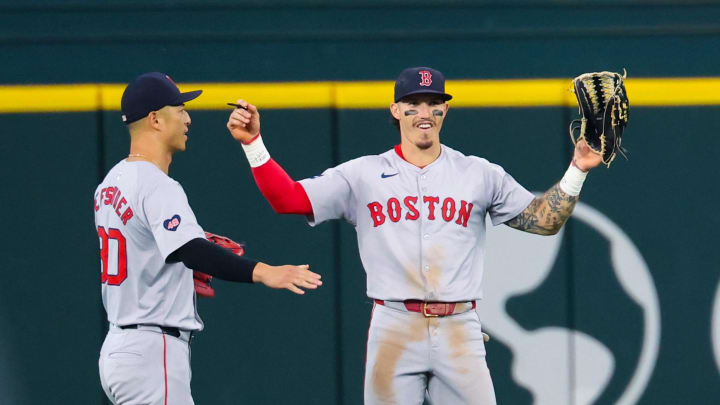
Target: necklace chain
(140, 155)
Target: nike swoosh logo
(385, 176)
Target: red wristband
(572, 162)
(251, 140)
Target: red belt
(430, 309)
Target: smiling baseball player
(419, 211)
(149, 241)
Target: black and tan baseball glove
(202, 280)
(605, 109)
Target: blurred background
(622, 307)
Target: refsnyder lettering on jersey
(395, 210)
(139, 286)
(113, 196)
(173, 223)
(425, 78)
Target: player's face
(421, 117)
(175, 125)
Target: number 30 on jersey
(113, 256)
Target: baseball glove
(202, 280)
(202, 284)
(605, 109)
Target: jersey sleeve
(285, 195)
(330, 195)
(509, 198)
(170, 217)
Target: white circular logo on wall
(541, 357)
(715, 333)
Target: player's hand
(290, 277)
(584, 158)
(243, 124)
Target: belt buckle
(424, 311)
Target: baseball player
(149, 241)
(419, 211)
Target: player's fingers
(241, 115)
(300, 275)
(248, 110)
(310, 275)
(307, 284)
(304, 270)
(308, 278)
(242, 103)
(294, 289)
(236, 122)
(312, 280)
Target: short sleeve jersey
(142, 216)
(421, 231)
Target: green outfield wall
(623, 307)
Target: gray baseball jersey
(421, 231)
(142, 216)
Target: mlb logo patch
(173, 223)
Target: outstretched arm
(285, 195)
(212, 259)
(548, 213)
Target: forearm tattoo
(546, 214)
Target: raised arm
(285, 195)
(548, 213)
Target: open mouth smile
(424, 125)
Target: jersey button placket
(423, 222)
(425, 235)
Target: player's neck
(161, 160)
(162, 164)
(420, 157)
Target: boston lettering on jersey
(394, 209)
(113, 196)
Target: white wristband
(572, 181)
(256, 152)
